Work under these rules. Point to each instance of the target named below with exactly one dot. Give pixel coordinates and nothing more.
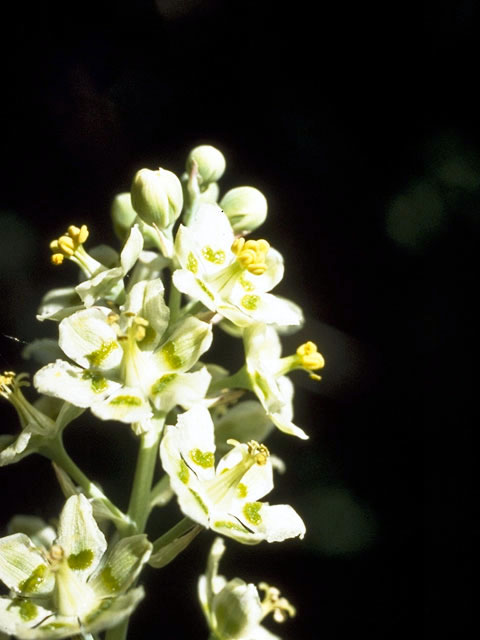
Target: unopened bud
(246, 208)
(123, 215)
(210, 162)
(157, 197)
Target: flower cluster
(128, 352)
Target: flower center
(72, 595)
(226, 486)
(251, 254)
(131, 329)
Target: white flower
(38, 428)
(266, 370)
(73, 585)
(229, 275)
(225, 499)
(234, 609)
(126, 366)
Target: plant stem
(175, 532)
(139, 505)
(174, 302)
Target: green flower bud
(246, 208)
(123, 215)
(210, 162)
(157, 197)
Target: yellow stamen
(251, 254)
(67, 245)
(272, 602)
(7, 378)
(259, 452)
(309, 357)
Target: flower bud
(123, 214)
(246, 208)
(210, 162)
(157, 197)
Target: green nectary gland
(216, 257)
(170, 354)
(97, 357)
(109, 580)
(204, 459)
(27, 609)
(242, 490)
(250, 302)
(184, 473)
(199, 500)
(34, 580)
(205, 289)
(162, 383)
(81, 560)
(192, 264)
(246, 284)
(98, 382)
(250, 511)
(130, 401)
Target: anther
(309, 357)
(259, 452)
(251, 254)
(68, 244)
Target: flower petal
(79, 536)
(132, 249)
(184, 389)
(110, 616)
(121, 566)
(125, 404)
(88, 338)
(146, 298)
(57, 304)
(18, 616)
(80, 387)
(190, 339)
(271, 523)
(23, 568)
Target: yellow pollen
(112, 318)
(309, 357)
(7, 378)
(251, 254)
(66, 245)
(259, 452)
(55, 556)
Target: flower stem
(58, 454)
(239, 380)
(139, 505)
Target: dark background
(360, 125)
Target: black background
(360, 125)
